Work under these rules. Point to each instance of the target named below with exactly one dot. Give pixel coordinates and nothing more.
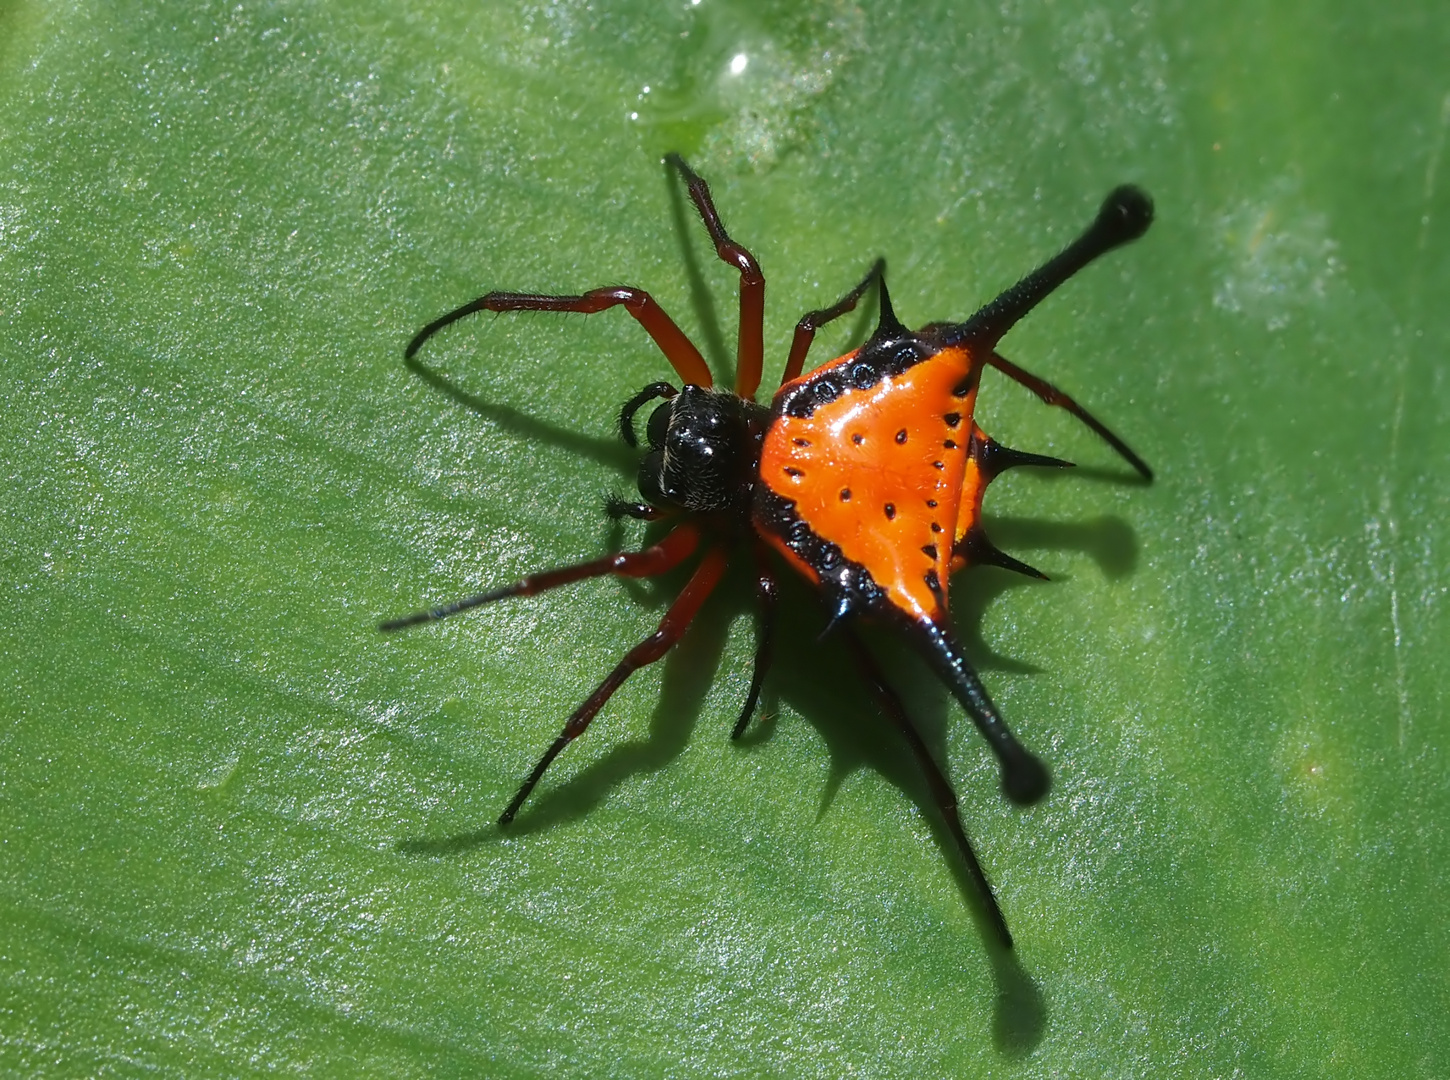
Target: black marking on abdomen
(847, 585)
(877, 360)
(934, 584)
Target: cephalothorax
(865, 476)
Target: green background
(241, 831)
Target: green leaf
(243, 832)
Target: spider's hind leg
(750, 349)
(672, 627)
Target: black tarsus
(814, 320)
(767, 593)
(445, 610)
(470, 308)
(941, 788)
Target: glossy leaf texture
(243, 832)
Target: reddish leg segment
(750, 350)
(805, 330)
(679, 350)
(941, 788)
(1051, 395)
(677, 546)
(672, 627)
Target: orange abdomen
(879, 472)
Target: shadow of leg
(1019, 1015)
(689, 672)
(610, 452)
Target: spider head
(704, 448)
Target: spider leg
(674, 548)
(811, 321)
(941, 788)
(672, 627)
(1051, 395)
(767, 593)
(750, 349)
(679, 350)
